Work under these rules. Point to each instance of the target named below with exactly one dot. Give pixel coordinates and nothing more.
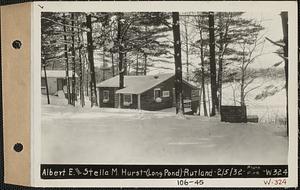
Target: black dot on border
(17, 44)
(18, 147)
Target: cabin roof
(57, 73)
(136, 84)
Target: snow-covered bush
(127, 103)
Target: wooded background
(98, 46)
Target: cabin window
(105, 96)
(157, 94)
(127, 99)
(166, 94)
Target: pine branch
(82, 29)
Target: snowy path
(96, 136)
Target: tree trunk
(234, 96)
(137, 65)
(208, 98)
(242, 98)
(81, 70)
(145, 55)
(104, 65)
(212, 63)
(126, 65)
(284, 19)
(87, 78)
(186, 51)
(73, 60)
(203, 88)
(200, 100)
(121, 51)
(112, 64)
(145, 66)
(67, 62)
(178, 64)
(220, 73)
(87, 75)
(90, 49)
(47, 90)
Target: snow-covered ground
(111, 136)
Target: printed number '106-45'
(185, 182)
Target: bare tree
(201, 44)
(250, 50)
(186, 35)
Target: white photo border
(163, 6)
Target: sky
(271, 21)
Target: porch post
(139, 101)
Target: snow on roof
(136, 84)
(57, 73)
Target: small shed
(56, 80)
(150, 92)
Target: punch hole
(17, 44)
(18, 147)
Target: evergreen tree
(90, 51)
(178, 64)
(213, 84)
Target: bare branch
(247, 83)
(275, 43)
(246, 93)
(280, 55)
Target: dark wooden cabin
(150, 92)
